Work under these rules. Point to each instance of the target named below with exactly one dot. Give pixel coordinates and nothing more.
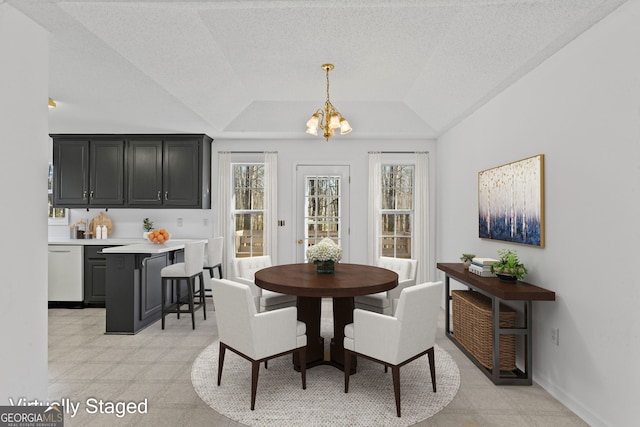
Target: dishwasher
(66, 275)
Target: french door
(322, 207)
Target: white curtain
(375, 197)
(270, 240)
(421, 217)
(225, 227)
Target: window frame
(236, 212)
(397, 212)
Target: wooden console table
(497, 291)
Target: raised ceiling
(251, 69)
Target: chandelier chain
(328, 100)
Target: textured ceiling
(251, 69)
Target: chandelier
(328, 119)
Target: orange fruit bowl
(159, 236)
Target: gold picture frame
(511, 202)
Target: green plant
(509, 264)
(466, 257)
(147, 224)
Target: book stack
(482, 266)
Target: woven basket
(472, 329)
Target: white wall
(317, 151)
(581, 109)
(127, 223)
(23, 163)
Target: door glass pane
(322, 207)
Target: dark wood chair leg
(202, 298)
(164, 299)
(178, 298)
(302, 355)
(219, 270)
(191, 282)
(395, 372)
(255, 370)
(386, 369)
(266, 364)
(221, 352)
(347, 371)
(432, 367)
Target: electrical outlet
(555, 336)
(179, 222)
(205, 221)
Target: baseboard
(570, 402)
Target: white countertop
(97, 242)
(150, 248)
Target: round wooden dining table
(346, 282)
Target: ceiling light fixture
(328, 119)
(52, 103)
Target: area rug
(281, 401)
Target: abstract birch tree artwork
(511, 202)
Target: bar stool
(213, 259)
(187, 270)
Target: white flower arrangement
(325, 250)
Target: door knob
(299, 242)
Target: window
(57, 216)
(248, 209)
(397, 210)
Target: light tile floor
(156, 365)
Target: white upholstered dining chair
(245, 270)
(382, 302)
(256, 337)
(396, 340)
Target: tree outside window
(248, 212)
(397, 210)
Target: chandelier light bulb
(345, 128)
(313, 121)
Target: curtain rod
(247, 152)
(398, 152)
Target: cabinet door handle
(159, 195)
(91, 195)
(84, 195)
(166, 195)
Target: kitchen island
(133, 294)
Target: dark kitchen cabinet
(150, 289)
(134, 292)
(133, 170)
(181, 171)
(88, 172)
(144, 171)
(95, 276)
(170, 171)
